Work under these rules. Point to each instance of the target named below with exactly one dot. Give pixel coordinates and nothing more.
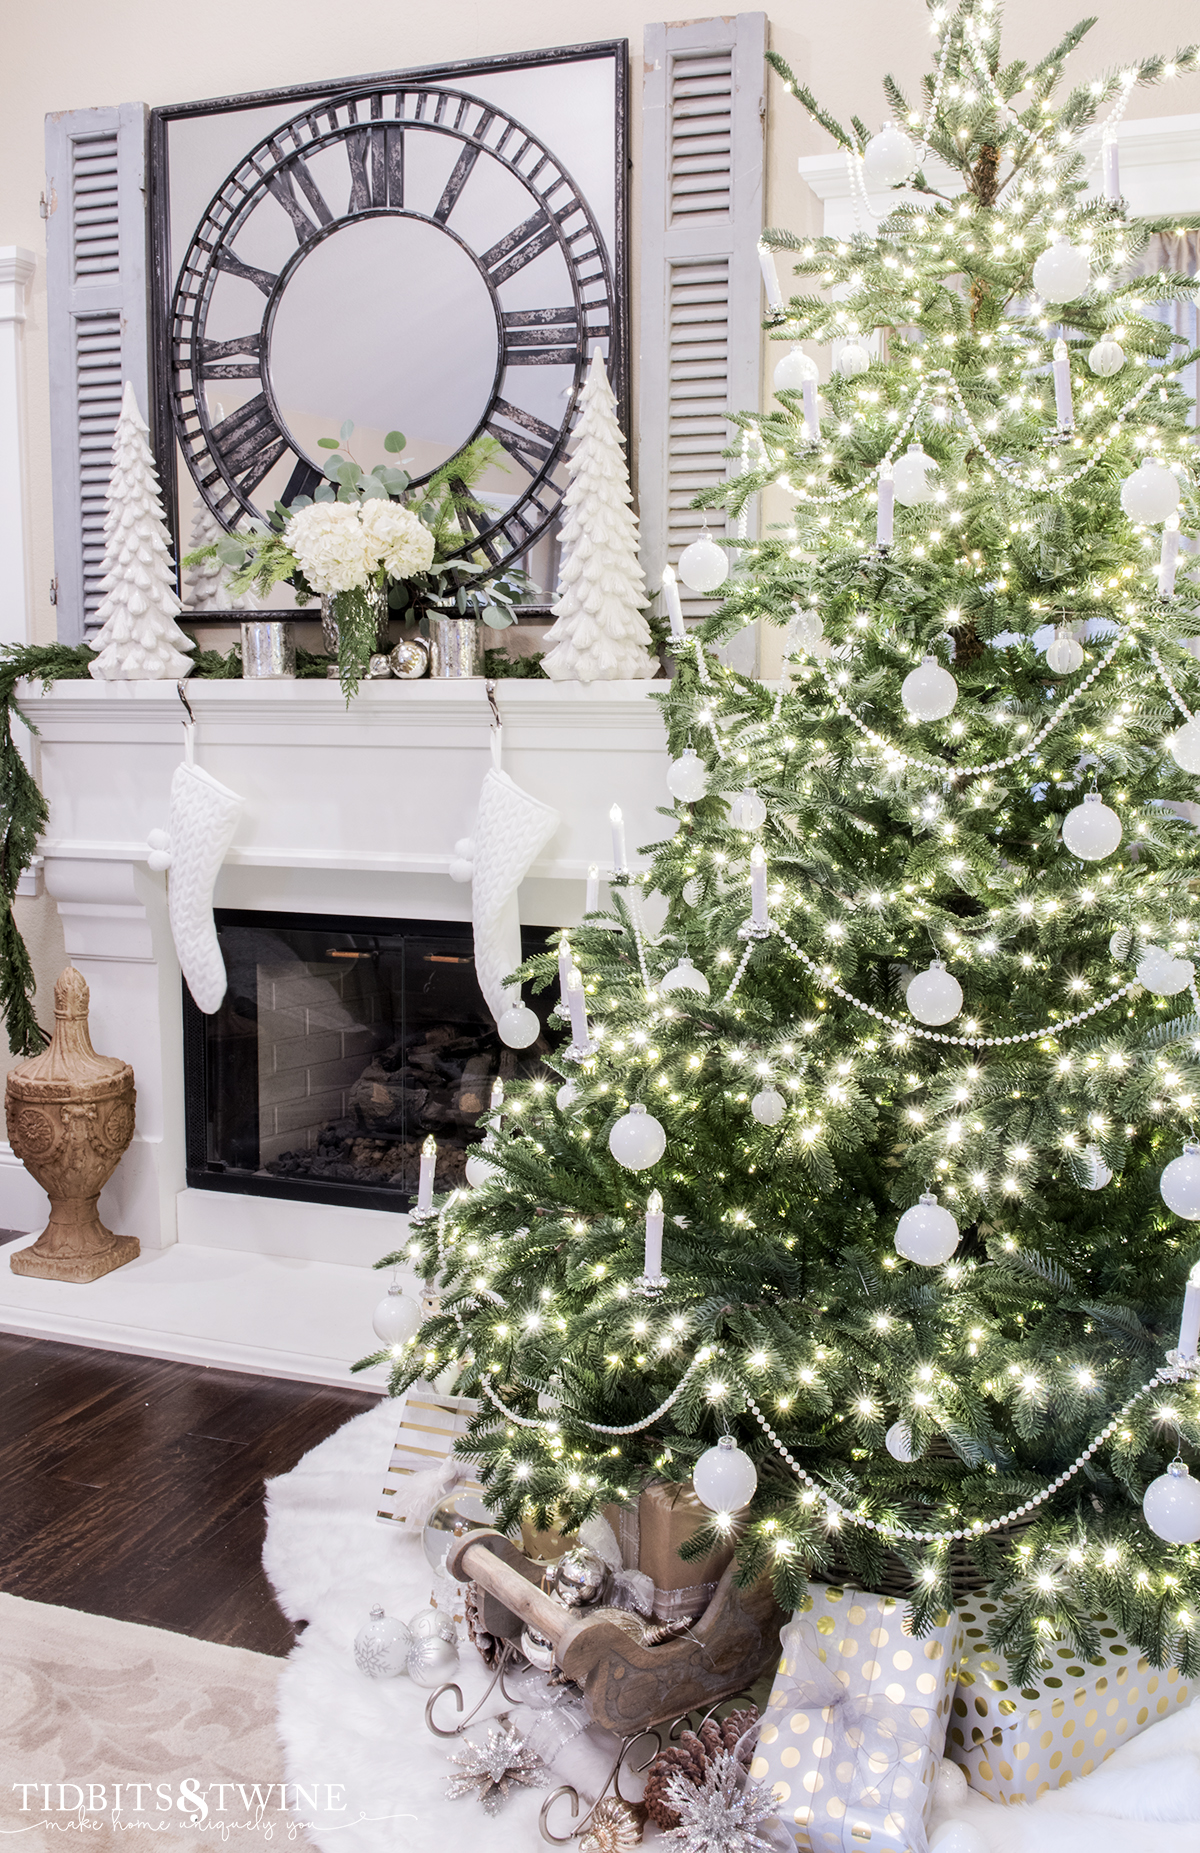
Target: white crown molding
(1160, 173)
(17, 266)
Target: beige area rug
(91, 1708)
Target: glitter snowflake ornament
(727, 1813)
(490, 1769)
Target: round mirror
(388, 322)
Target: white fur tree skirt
(330, 1561)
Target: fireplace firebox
(341, 1044)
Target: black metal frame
(195, 1063)
(167, 420)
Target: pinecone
(690, 1757)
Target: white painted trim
(1160, 173)
(23, 1202)
(17, 267)
(327, 1232)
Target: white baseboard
(23, 1203)
(271, 1315)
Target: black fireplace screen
(340, 1046)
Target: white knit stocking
(510, 832)
(204, 816)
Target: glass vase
(452, 644)
(329, 623)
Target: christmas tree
(208, 580)
(913, 1066)
(139, 640)
(599, 633)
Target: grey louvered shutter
(96, 281)
(700, 308)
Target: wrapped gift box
(1014, 1742)
(854, 1728)
(649, 1534)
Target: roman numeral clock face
(410, 259)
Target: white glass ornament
(397, 1318)
(853, 360)
(684, 977)
(519, 1026)
(929, 692)
(1172, 1505)
(910, 477)
(637, 1140)
(704, 566)
(1185, 746)
(926, 1234)
(479, 1168)
(1065, 654)
(792, 371)
(1098, 1174)
(1091, 831)
(768, 1107)
(1120, 943)
(432, 1662)
(958, 1837)
(692, 891)
(1106, 358)
(382, 1647)
(748, 812)
(432, 1624)
(949, 1785)
(566, 1096)
(1062, 273)
(1162, 974)
(889, 157)
(1151, 493)
(899, 1442)
(452, 1518)
(687, 776)
(934, 996)
(1179, 1184)
(806, 632)
(724, 1477)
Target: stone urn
(70, 1117)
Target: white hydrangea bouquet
(365, 535)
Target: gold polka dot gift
(854, 1727)
(1014, 1742)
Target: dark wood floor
(133, 1488)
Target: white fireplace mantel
(347, 811)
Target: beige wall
(78, 54)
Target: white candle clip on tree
(599, 633)
(140, 640)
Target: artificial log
(70, 1118)
(629, 1681)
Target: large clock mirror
(438, 252)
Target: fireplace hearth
(340, 1046)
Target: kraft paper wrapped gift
(1014, 1742)
(853, 1732)
(649, 1535)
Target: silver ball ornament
(410, 659)
(637, 1139)
(1179, 1185)
(724, 1477)
(579, 1578)
(451, 1519)
(432, 1624)
(396, 1319)
(537, 1650)
(432, 1662)
(687, 776)
(926, 1234)
(1151, 493)
(929, 692)
(768, 1107)
(684, 977)
(382, 1647)
(934, 996)
(910, 475)
(1172, 1505)
(519, 1026)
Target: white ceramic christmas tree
(208, 580)
(600, 634)
(139, 641)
